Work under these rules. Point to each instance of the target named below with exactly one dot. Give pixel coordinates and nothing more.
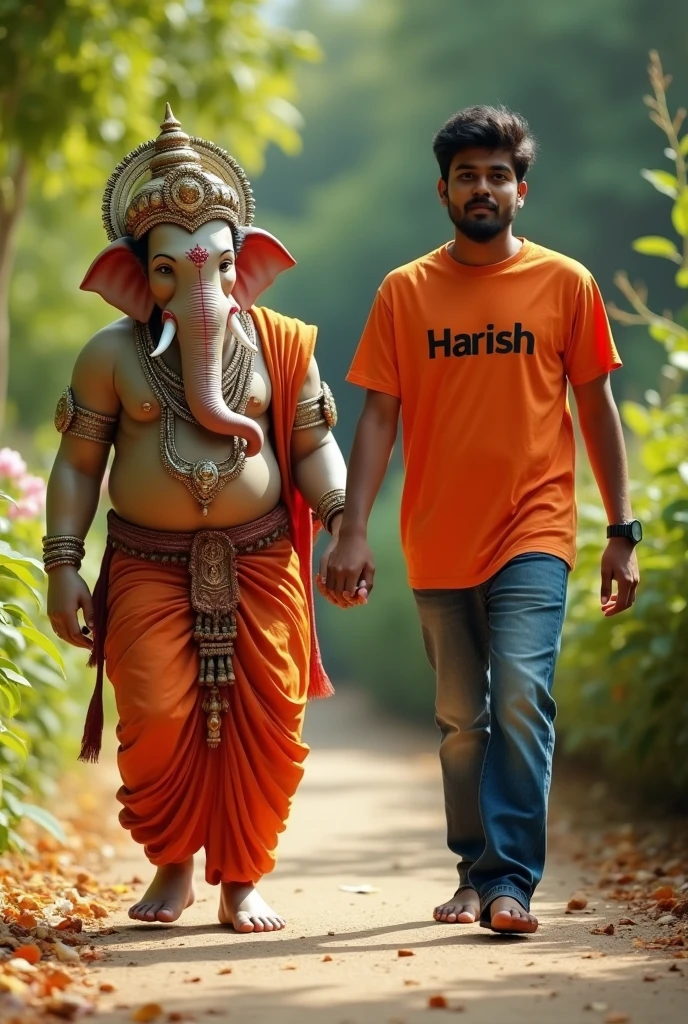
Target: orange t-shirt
(480, 358)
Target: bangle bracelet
(330, 505)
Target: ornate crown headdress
(188, 181)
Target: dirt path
(370, 812)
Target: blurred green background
(331, 105)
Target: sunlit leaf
(24, 577)
(682, 277)
(12, 741)
(679, 359)
(655, 245)
(9, 694)
(662, 181)
(636, 417)
(679, 214)
(40, 640)
(45, 819)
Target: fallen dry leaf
(627, 921)
(405, 952)
(225, 970)
(31, 953)
(578, 901)
(665, 892)
(107, 987)
(191, 981)
(438, 1002)
(327, 959)
(410, 981)
(607, 930)
(649, 977)
(68, 1007)
(147, 1013)
(65, 954)
(290, 967)
(27, 920)
(616, 1018)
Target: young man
(476, 344)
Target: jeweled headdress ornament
(175, 179)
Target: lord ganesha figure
(223, 444)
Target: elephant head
(204, 262)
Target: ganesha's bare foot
(462, 908)
(168, 895)
(244, 909)
(509, 917)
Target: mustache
(484, 203)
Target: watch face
(636, 531)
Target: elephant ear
(118, 276)
(261, 258)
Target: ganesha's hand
(67, 596)
(347, 571)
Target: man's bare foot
(168, 895)
(462, 908)
(244, 909)
(507, 915)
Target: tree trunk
(12, 204)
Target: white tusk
(237, 329)
(169, 329)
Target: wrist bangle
(62, 550)
(330, 505)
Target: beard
(480, 230)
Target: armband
(71, 418)
(317, 412)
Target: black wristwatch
(632, 531)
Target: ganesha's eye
(164, 268)
(225, 266)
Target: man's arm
(351, 560)
(601, 428)
(75, 482)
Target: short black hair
(488, 128)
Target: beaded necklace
(205, 478)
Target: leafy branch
(664, 327)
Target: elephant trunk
(201, 331)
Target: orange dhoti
(179, 794)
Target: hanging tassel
(92, 739)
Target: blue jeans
(493, 648)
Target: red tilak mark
(198, 255)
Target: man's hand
(67, 595)
(620, 564)
(347, 570)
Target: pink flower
(25, 508)
(32, 487)
(12, 466)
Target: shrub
(630, 705)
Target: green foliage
(623, 683)
(35, 708)
(83, 79)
